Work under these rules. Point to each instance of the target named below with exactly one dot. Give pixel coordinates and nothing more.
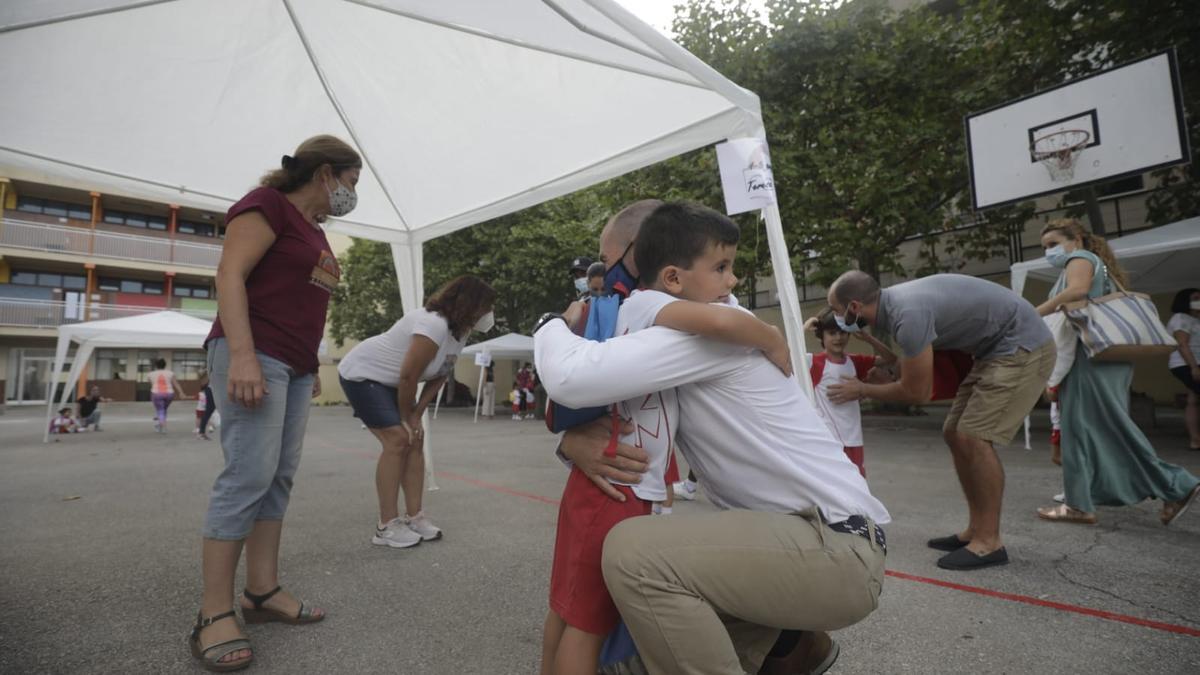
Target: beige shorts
(998, 393)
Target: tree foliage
(864, 107)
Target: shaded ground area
(109, 582)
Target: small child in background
(831, 367)
(201, 406)
(516, 398)
(64, 423)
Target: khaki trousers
(709, 593)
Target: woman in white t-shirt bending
(380, 378)
(1185, 361)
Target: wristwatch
(547, 318)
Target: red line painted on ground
(1060, 606)
(498, 488)
(987, 592)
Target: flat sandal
(260, 614)
(210, 656)
(1065, 514)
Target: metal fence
(85, 241)
(52, 314)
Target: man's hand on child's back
(584, 446)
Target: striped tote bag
(1119, 326)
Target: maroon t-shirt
(288, 290)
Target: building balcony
(90, 243)
(51, 314)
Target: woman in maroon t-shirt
(276, 274)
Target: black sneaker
(965, 559)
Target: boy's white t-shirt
(379, 358)
(843, 419)
(655, 416)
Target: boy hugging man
(685, 254)
(832, 366)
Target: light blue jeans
(261, 446)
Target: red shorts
(672, 475)
(585, 515)
(856, 455)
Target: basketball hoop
(1058, 151)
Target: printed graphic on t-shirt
(326, 274)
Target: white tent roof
(511, 346)
(464, 110)
(163, 330)
(1159, 260)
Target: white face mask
(342, 199)
(485, 322)
(1195, 304)
(581, 284)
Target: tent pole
(60, 355)
(789, 297)
(479, 393)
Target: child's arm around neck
(725, 324)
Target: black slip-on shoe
(950, 543)
(965, 559)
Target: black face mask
(617, 278)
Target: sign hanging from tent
(483, 359)
(746, 176)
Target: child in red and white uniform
(831, 367)
(64, 423)
(685, 255)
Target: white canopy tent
(463, 110)
(1159, 260)
(510, 346)
(161, 330)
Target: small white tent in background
(161, 330)
(510, 346)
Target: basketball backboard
(1114, 123)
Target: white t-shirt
(379, 358)
(747, 429)
(656, 415)
(844, 420)
(1190, 325)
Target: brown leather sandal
(1065, 514)
(210, 656)
(260, 614)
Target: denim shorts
(261, 446)
(373, 403)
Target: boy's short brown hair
(826, 322)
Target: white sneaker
(516, 417)
(422, 526)
(395, 534)
(682, 491)
(1061, 498)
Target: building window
(138, 220)
(49, 280)
(110, 285)
(155, 223)
(50, 207)
(152, 288)
(74, 283)
(130, 286)
(110, 362)
(189, 227)
(24, 278)
(145, 364)
(188, 365)
(182, 291)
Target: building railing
(32, 236)
(52, 314)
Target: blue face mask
(1056, 255)
(617, 278)
(847, 326)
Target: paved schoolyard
(99, 567)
